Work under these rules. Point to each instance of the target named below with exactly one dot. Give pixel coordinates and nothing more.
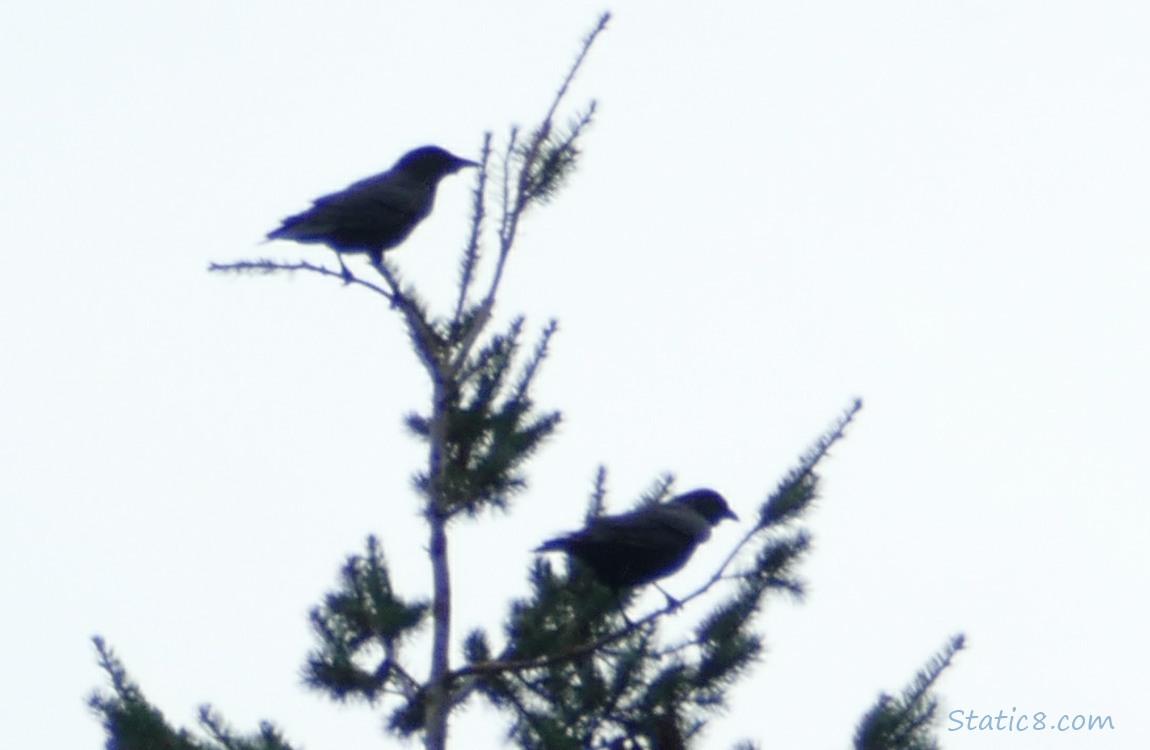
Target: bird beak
(463, 163)
(731, 515)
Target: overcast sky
(939, 207)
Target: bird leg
(343, 269)
(622, 609)
(672, 603)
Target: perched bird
(377, 213)
(646, 544)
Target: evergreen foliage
(132, 723)
(571, 668)
(362, 620)
(577, 674)
(905, 722)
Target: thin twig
(587, 42)
(515, 665)
(265, 266)
(510, 225)
(472, 252)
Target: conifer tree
(570, 670)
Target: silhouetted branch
(265, 266)
(473, 251)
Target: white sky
(939, 207)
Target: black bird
(646, 544)
(377, 213)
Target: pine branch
(472, 251)
(904, 723)
(265, 266)
(132, 723)
(529, 156)
(587, 681)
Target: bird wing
(656, 527)
(636, 547)
(372, 214)
(404, 199)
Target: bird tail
(552, 545)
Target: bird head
(432, 163)
(708, 504)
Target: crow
(646, 544)
(377, 213)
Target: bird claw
(344, 271)
(673, 604)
